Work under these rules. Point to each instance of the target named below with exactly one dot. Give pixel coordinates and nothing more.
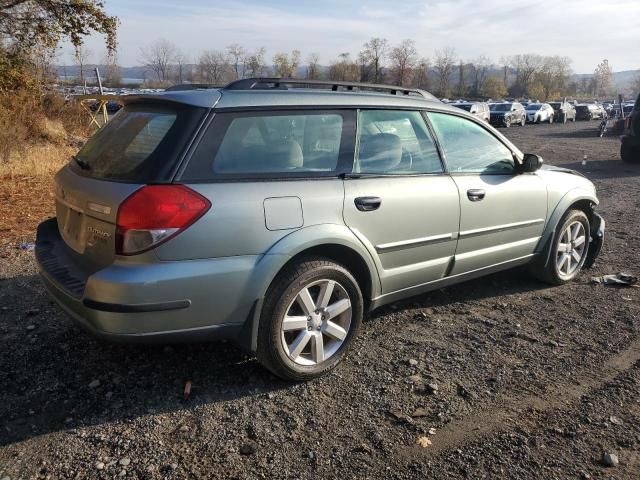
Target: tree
(255, 66)
(159, 57)
(462, 88)
(421, 74)
(494, 87)
(81, 57)
(313, 70)
(344, 69)
(237, 56)
(479, 69)
(214, 67)
(443, 65)
(182, 72)
(603, 76)
(527, 66)
(112, 71)
(403, 59)
(375, 51)
(536, 90)
(285, 65)
(553, 75)
(30, 30)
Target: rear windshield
(464, 106)
(141, 144)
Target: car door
(502, 213)
(399, 202)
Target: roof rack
(191, 86)
(269, 83)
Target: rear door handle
(476, 194)
(368, 204)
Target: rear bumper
(164, 301)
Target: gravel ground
(504, 376)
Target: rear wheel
(569, 250)
(311, 314)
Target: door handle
(368, 204)
(476, 194)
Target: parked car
(588, 111)
(507, 114)
(630, 149)
(563, 111)
(248, 213)
(479, 109)
(539, 112)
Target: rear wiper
(82, 163)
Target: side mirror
(530, 163)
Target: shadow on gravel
(55, 377)
(586, 132)
(602, 169)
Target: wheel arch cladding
(577, 199)
(333, 242)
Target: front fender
(570, 198)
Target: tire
(292, 353)
(564, 119)
(629, 154)
(507, 122)
(558, 271)
(573, 120)
(550, 119)
(523, 122)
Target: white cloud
(585, 30)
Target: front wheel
(311, 314)
(569, 249)
(629, 154)
(550, 119)
(523, 122)
(507, 122)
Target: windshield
(464, 106)
(140, 144)
(501, 107)
(555, 105)
(534, 106)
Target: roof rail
(268, 83)
(190, 86)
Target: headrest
(380, 153)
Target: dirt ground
(506, 377)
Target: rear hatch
(142, 144)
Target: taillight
(154, 214)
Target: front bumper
(163, 301)
(497, 121)
(597, 239)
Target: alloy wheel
(316, 322)
(571, 249)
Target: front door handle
(476, 194)
(368, 204)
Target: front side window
(395, 142)
(469, 148)
(270, 143)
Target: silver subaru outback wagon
(277, 213)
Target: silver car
(278, 213)
(479, 109)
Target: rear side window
(282, 143)
(395, 142)
(141, 144)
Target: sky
(585, 30)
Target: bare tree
(237, 57)
(553, 75)
(285, 65)
(158, 57)
(444, 65)
(462, 87)
(254, 66)
(81, 57)
(526, 66)
(214, 67)
(421, 74)
(344, 69)
(375, 51)
(480, 69)
(403, 59)
(182, 73)
(112, 71)
(313, 70)
(603, 76)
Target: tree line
(446, 74)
